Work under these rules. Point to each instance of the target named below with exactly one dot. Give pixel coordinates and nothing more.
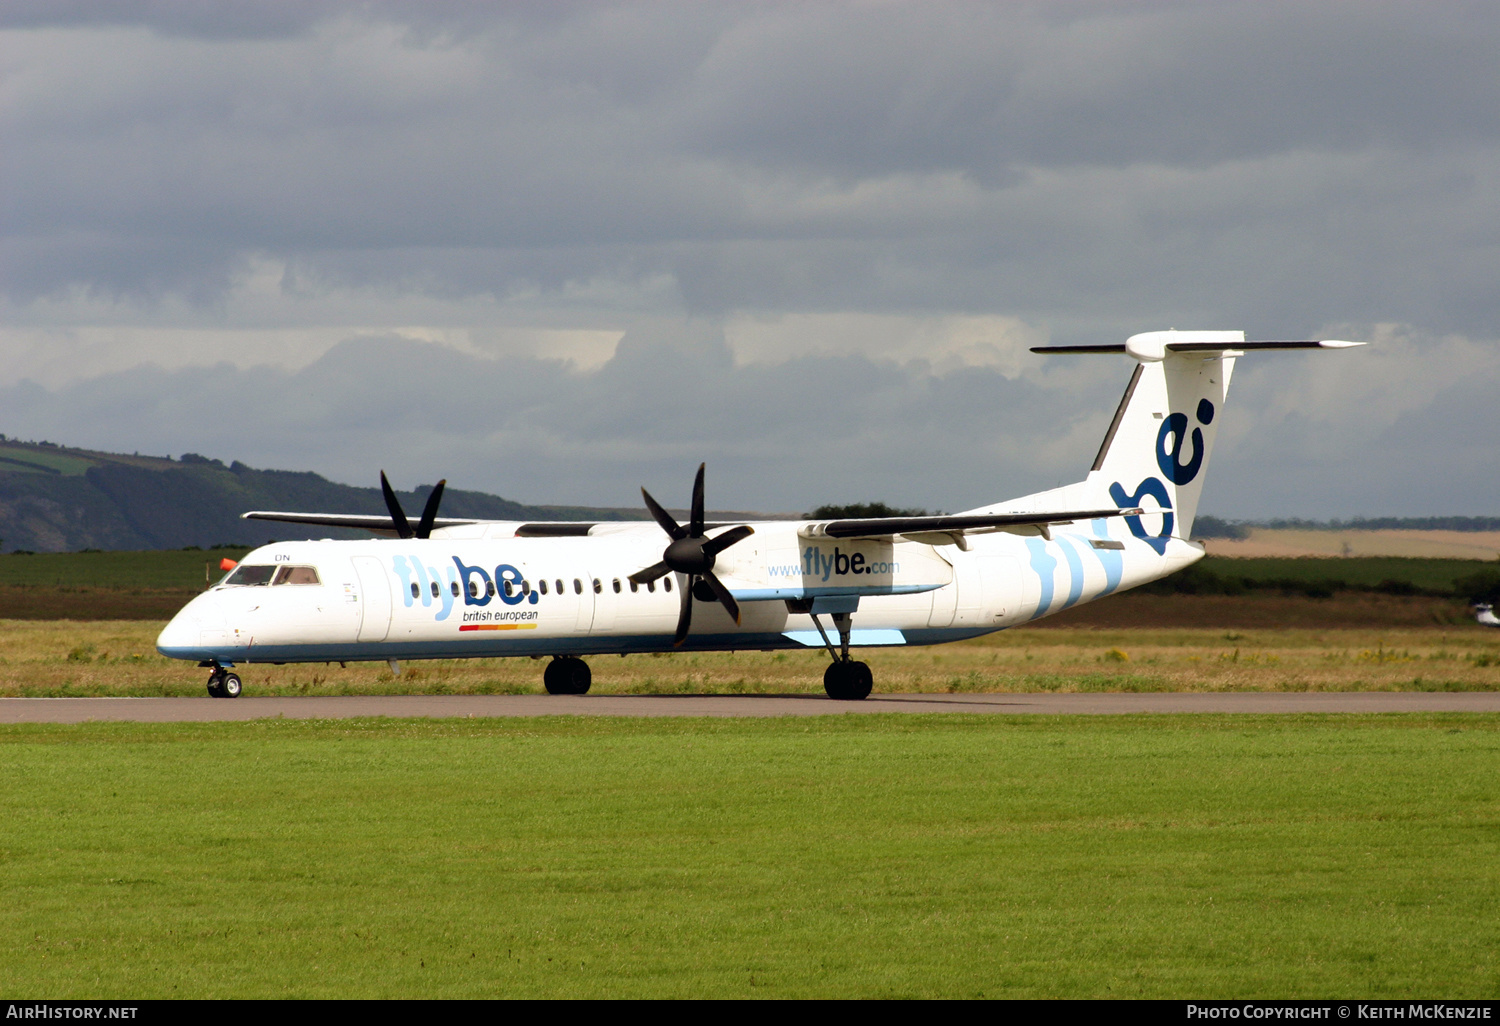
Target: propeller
(693, 555)
(398, 515)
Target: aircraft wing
(382, 524)
(950, 529)
(363, 521)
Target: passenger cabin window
(415, 590)
(617, 586)
(489, 589)
(598, 586)
(508, 587)
(542, 586)
(453, 587)
(434, 589)
(651, 586)
(666, 582)
(634, 587)
(560, 588)
(577, 586)
(250, 576)
(473, 589)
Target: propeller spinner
(398, 515)
(691, 554)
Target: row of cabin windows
(251, 576)
(510, 588)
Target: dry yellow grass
(52, 658)
(1266, 542)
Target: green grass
(841, 856)
(175, 569)
(1367, 571)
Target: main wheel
(848, 682)
(861, 680)
(230, 686)
(215, 685)
(567, 675)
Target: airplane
(446, 588)
(1485, 614)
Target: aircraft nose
(184, 635)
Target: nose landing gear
(224, 683)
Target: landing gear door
(375, 599)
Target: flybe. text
(822, 565)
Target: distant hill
(56, 499)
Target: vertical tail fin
(1157, 448)
(1159, 444)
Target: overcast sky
(558, 251)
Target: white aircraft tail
(1158, 446)
(1157, 449)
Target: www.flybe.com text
(823, 565)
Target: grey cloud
(1092, 169)
(782, 437)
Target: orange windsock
(227, 564)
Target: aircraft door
(375, 592)
(585, 616)
(968, 599)
(1000, 581)
(945, 600)
(604, 601)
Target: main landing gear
(224, 683)
(567, 675)
(845, 680)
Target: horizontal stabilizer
(1208, 347)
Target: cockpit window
(250, 576)
(296, 575)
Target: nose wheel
(224, 683)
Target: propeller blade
(719, 543)
(663, 518)
(685, 617)
(651, 573)
(696, 529)
(727, 600)
(429, 512)
(398, 515)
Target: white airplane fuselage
(480, 588)
(454, 597)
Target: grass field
(1367, 571)
(173, 570)
(62, 658)
(837, 857)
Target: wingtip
(1338, 343)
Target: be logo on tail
(1170, 442)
